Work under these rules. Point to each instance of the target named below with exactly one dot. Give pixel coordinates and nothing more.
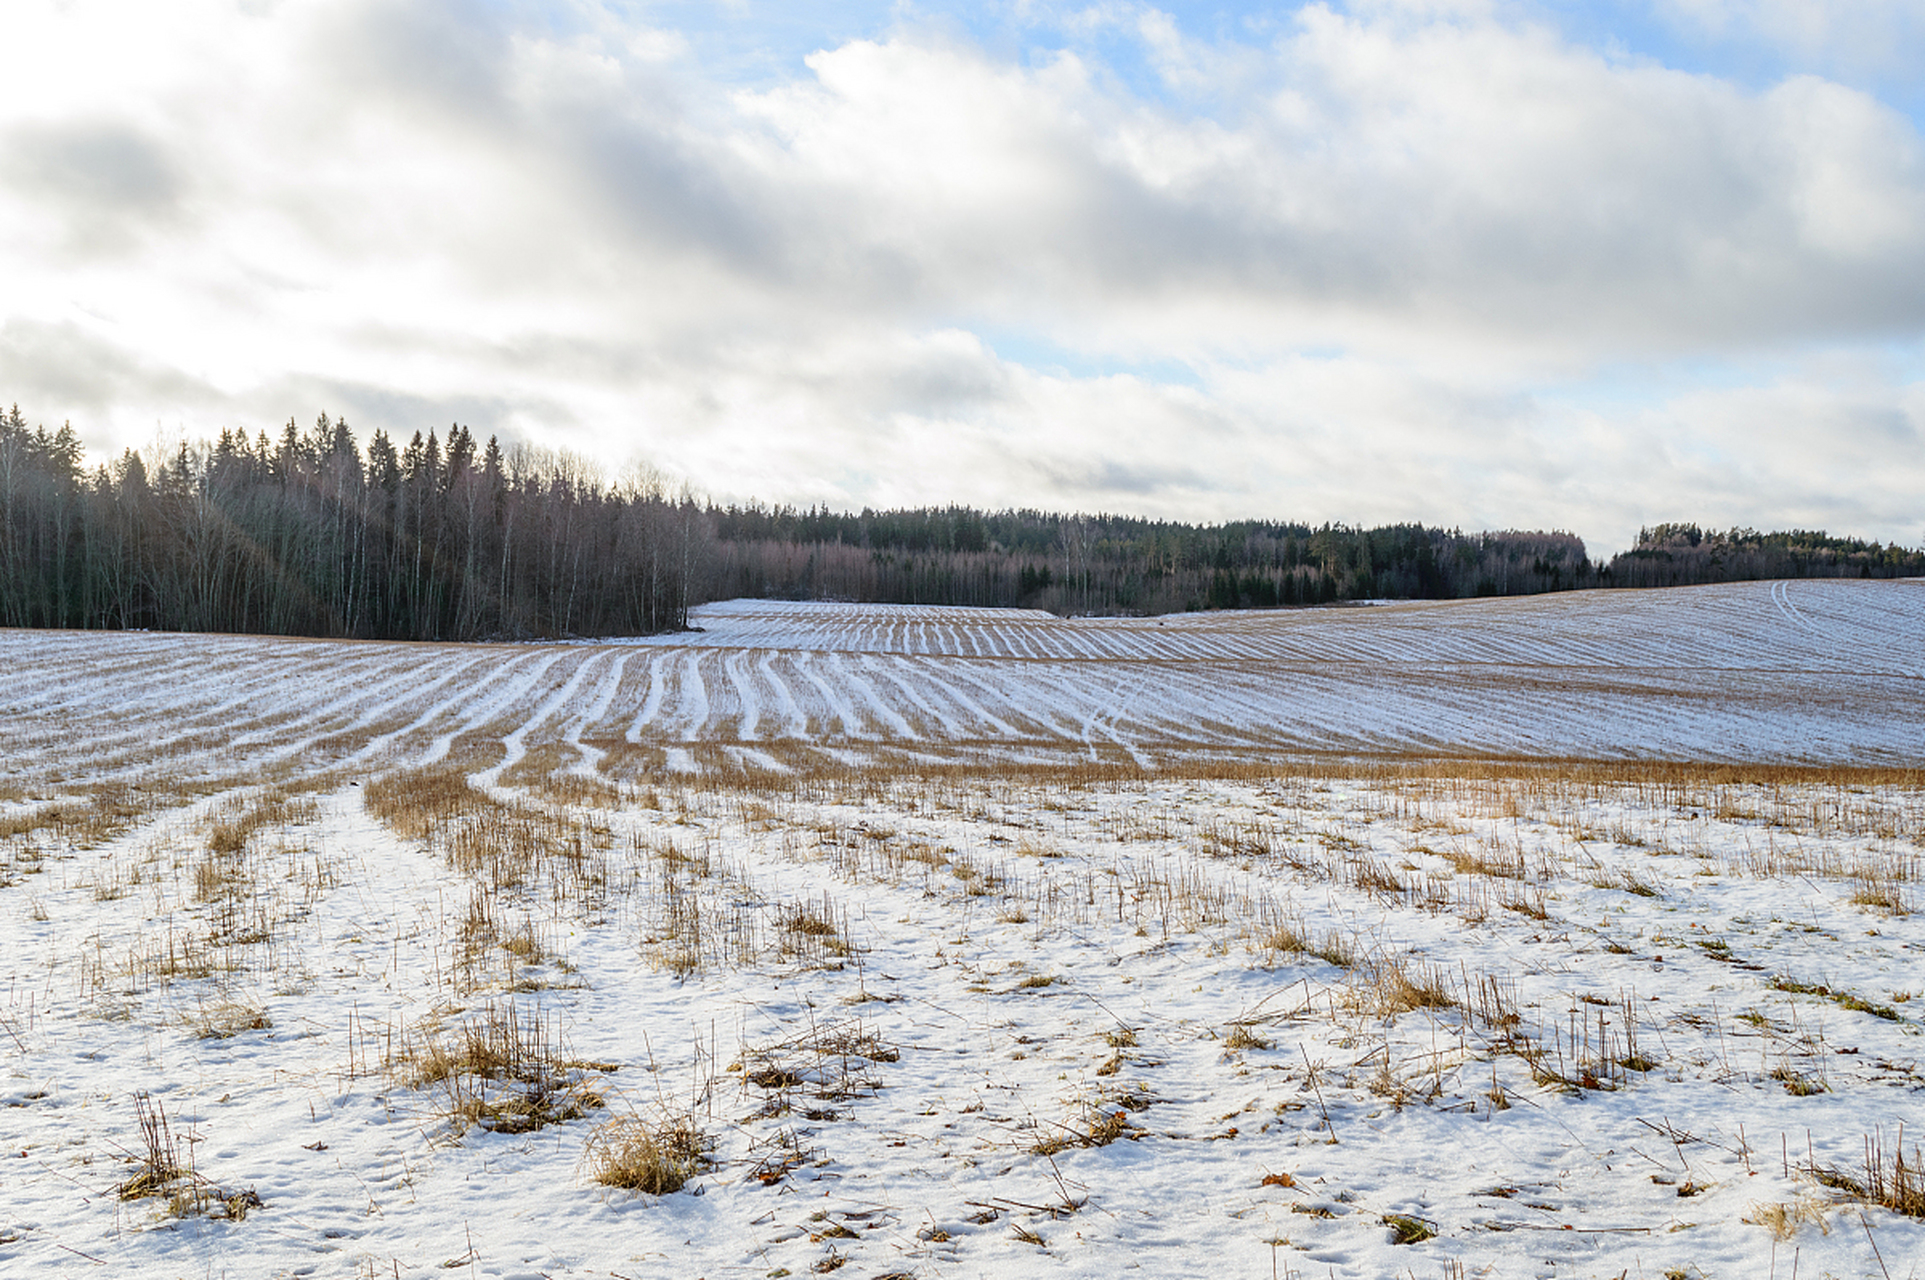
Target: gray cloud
(1113, 480)
(105, 181)
(63, 365)
(444, 57)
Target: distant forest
(1118, 564)
(1671, 555)
(456, 539)
(307, 535)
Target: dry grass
(1102, 1126)
(160, 1165)
(1526, 900)
(1797, 1084)
(1885, 1178)
(560, 851)
(1409, 1229)
(814, 932)
(242, 816)
(831, 1062)
(1242, 1038)
(415, 802)
(500, 1070)
(165, 1168)
(654, 1157)
(1496, 862)
(1374, 877)
(1625, 881)
(489, 951)
(175, 955)
(225, 1018)
(504, 1069)
(1506, 785)
(1843, 999)
(1879, 885)
(1396, 989)
(1783, 1218)
(98, 815)
(1893, 1181)
(1292, 938)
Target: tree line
(458, 539)
(1118, 564)
(308, 534)
(1107, 564)
(1670, 555)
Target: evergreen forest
(309, 535)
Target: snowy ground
(1243, 1016)
(1825, 672)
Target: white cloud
(1392, 251)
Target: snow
(1008, 957)
(1817, 672)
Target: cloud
(65, 364)
(1390, 182)
(1390, 248)
(95, 183)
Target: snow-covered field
(876, 923)
(1811, 671)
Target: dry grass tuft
(814, 933)
(1497, 863)
(1400, 990)
(1100, 1128)
(1292, 938)
(1783, 1218)
(1892, 1181)
(1627, 882)
(164, 1171)
(1896, 1183)
(243, 816)
(1797, 1084)
(1878, 885)
(482, 937)
(502, 1072)
(160, 1165)
(1372, 876)
(1241, 1038)
(178, 955)
(1526, 901)
(226, 1018)
(654, 1157)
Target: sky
(1476, 263)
